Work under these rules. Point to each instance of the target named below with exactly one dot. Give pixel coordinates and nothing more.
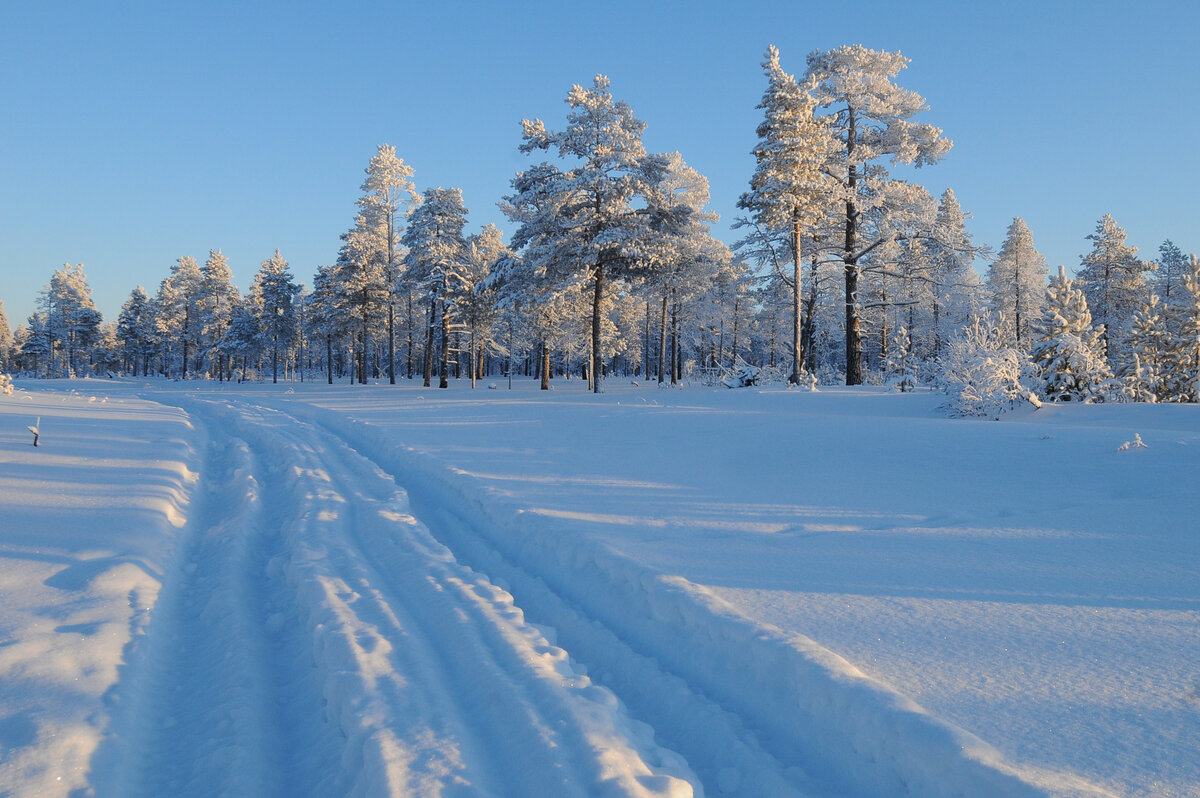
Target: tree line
(843, 273)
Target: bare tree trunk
(545, 366)
(594, 370)
(329, 357)
(662, 341)
(429, 342)
(674, 343)
(391, 342)
(797, 343)
(444, 360)
(409, 354)
(646, 348)
(854, 371)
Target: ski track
(327, 632)
(313, 638)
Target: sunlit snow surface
(802, 593)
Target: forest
(843, 273)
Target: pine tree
(135, 331)
(1172, 268)
(1114, 281)
(218, 297)
(1016, 284)
(1149, 344)
(1183, 373)
(983, 373)
(957, 292)
(584, 224)
(6, 341)
(389, 196)
(870, 120)
(1070, 352)
(176, 317)
(789, 188)
(436, 261)
(244, 337)
(273, 295)
(73, 322)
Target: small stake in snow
(34, 430)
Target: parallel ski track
(442, 698)
(721, 745)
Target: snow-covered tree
(1113, 279)
(476, 301)
(585, 223)
(983, 373)
(273, 296)
(1172, 268)
(871, 120)
(218, 297)
(1183, 377)
(1070, 353)
(177, 320)
(389, 195)
(1016, 283)
(1144, 377)
(6, 340)
(244, 337)
(136, 331)
(436, 261)
(957, 292)
(34, 344)
(72, 320)
(790, 188)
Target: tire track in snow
(755, 711)
(197, 715)
(429, 670)
(717, 742)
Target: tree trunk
(428, 371)
(662, 341)
(854, 371)
(797, 348)
(596, 376)
(646, 349)
(409, 322)
(391, 342)
(674, 343)
(545, 366)
(444, 360)
(329, 357)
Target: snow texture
(388, 590)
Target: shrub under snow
(982, 374)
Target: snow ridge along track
(755, 711)
(375, 663)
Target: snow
(384, 590)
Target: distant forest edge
(843, 274)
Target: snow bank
(88, 521)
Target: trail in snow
(428, 677)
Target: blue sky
(134, 133)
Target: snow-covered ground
(384, 590)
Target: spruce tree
(1070, 353)
(1113, 279)
(1016, 284)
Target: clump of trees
(844, 273)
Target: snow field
(828, 728)
(781, 593)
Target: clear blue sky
(134, 133)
